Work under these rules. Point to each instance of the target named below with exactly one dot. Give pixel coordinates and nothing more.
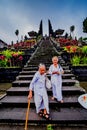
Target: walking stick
(27, 114)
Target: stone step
(33, 126)
(36, 62)
(28, 68)
(60, 116)
(25, 83)
(23, 91)
(27, 72)
(13, 106)
(33, 72)
(36, 68)
(21, 101)
(29, 77)
(47, 64)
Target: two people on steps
(40, 92)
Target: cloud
(65, 19)
(12, 20)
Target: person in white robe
(40, 93)
(56, 71)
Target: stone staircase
(14, 105)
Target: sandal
(41, 113)
(47, 116)
(61, 101)
(53, 99)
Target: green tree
(66, 35)
(8, 54)
(85, 25)
(17, 33)
(25, 38)
(12, 43)
(72, 28)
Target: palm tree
(17, 33)
(72, 28)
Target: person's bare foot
(47, 116)
(61, 101)
(53, 98)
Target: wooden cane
(27, 114)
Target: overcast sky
(25, 15)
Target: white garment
(56, 80)
(40, 94)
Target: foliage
(18, 52)
(74, 49)
(84, 49)
(85, 38)
(17, 33)
(71, 49)
(66, 42)
(49, 127)
(66, 35)
(25, 37)
(84, 60)
(75, 60)
(3, 61)
(26, 44)
(85, 25)
(7, 53)
(78, 60)
(10, 58)
(72, 28)
(39, 38)
(80, 39)
(78, 55)
(83, 41)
